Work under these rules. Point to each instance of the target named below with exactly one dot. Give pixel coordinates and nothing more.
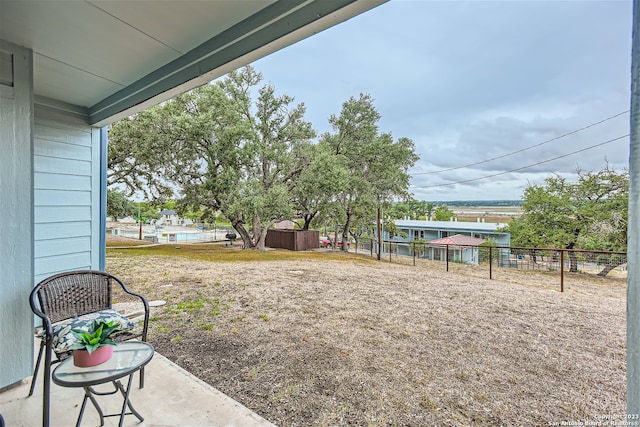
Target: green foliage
(411, 209)
(484, 251)
(226, 148)
(374, 166)
(443, 213)
(118, 205)
(315, 187)
(97, 335)
(591, 213)
(146, 211)
(138, 153)
(245, 152)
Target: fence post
(561, 270)
(490, 262)
(414, 254)
(390, 250)
(447, 257)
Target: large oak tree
(223, 147)
(247, 153)
(375, 166)
(590, 213)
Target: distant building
(458, 234)
(431, 230)
(461, 249)
(128, 220)
(170, 217)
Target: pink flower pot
(83, 359)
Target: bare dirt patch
(340, 342)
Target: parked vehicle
(326, 243)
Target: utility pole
(379, 233)
(633, 244)
(139, 222)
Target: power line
(523, 149)
(520, 168)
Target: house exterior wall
(16, 195)
(431, 230)
(50, 175)
(66, 194)
(172, 219)
(465, 255)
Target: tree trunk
(307, 220)
(261, 239)
(244, 234)
(573, 264)
(613, 264)
(355, 238)
(345, 233)
(259, 233)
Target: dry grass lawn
(338, 339)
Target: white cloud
(469, 81)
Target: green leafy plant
(98, 335)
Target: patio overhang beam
(274, 27)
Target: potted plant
(94, 346)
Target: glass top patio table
(128, 357)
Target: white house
(170, 217)
(70, 68)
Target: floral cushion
(63, 338)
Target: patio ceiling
(105, 59)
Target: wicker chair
(67, 299)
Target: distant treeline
(479, 203)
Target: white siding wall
(66, 194)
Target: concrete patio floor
(171, 397)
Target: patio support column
(16, 195)
(633, 246)
(102, 251)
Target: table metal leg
(88, 394)
(84, 404)
(127, 402)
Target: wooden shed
(294, 240)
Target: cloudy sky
(474, 81)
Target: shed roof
(284, 225)
(458, 240)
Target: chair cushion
(63, 338)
